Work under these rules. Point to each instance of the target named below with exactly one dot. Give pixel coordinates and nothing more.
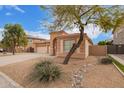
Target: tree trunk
(13, 49)
(75, 46)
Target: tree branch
(88, 10)
(79, 9)
(89, 18)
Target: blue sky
(31, 16)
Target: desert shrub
(106, 61)
(47, 71)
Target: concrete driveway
(5, 60)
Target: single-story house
(61, 42)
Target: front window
(68, 45)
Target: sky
(30, 17)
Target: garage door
(42, 50)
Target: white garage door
(42, 50)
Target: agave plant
(47, 71)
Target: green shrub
(106, 61)
(47, 71)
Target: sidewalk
(118, 58)
(6, 82)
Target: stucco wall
(87, 46)
(47, 45)
(53, 35)
(34, 44)
(97, 50)
(79, 53)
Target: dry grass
(97, 75)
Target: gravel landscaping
(95, 75)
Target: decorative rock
(77, 76)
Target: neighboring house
(34, 44)
(43, 47)
(118, 42)
(118, 36)
(37, 45)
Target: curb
(118, 69)
(122, 73)
(16, 85)
(117, 59)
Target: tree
(13, 35)
(71, 16)
(105, 42)
(102, 43)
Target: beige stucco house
(38, 45)
(35, 44)
(61, 42)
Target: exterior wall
(47, 45)
(79, 53)
(87, 46)
(118, 37)
(98, 50)
(33, 44)
(57, 44)
(61, 46)
(53, 35)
